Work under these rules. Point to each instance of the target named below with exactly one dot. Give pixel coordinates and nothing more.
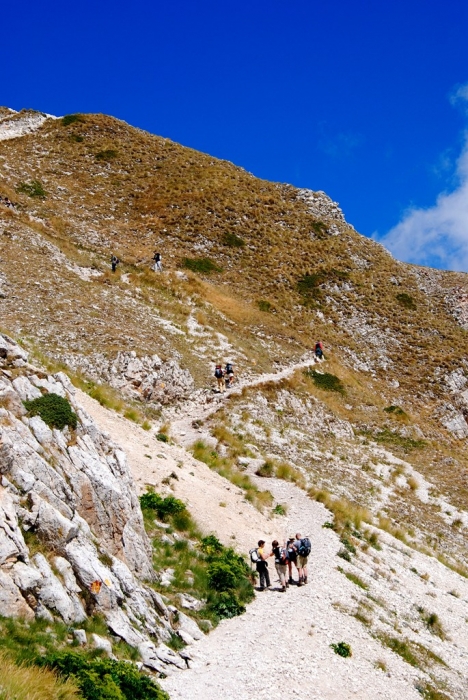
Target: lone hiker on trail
(302, 546)
(114, 262)
(219, 374)
(318, 350)
(262, 566)
(157, 267)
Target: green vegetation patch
(233, 241)
(406, 301)
(163, 507)
(218, 575)
(264, 305)
(413, 653)
(104, 679)
(326, 381)
(395, 411)
(309, 284)
(106, 155)
(319, 228)
(54, 410)
(342, 649)
(33, 189)
(395, 439)
(71, 119)
(42, 643)
(202, 265)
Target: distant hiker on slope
(281, 560)
(229, 374)
(114, 262)
(157, 267)
(219, 374)
(303, 547)
(318, 350)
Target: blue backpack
(305, 547)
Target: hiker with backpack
(229, 374)
(318, 350)
(281, 563)
(292, 557)
(114, 262)
(259, 558)
(303, 547)
(219, 374)
(157, 267)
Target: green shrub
(163, 507)
(279, 509)
(264, 305)
(104, 679)
(162, 437)
(395, 410)
(342, 649)
(71, 119)
(266, 469)
(233, 241)
(53, 409)
(319, 228)
(326, 381)
(309, 284)
(406, 301)
(202, 265)
(211, 546)
(227, 605)
(108, 154)
(221, 576)
(32, 189)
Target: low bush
(54, 410)
(264, 305)
(163, 507)
(406, 301)
(104, 679)
(326, 381)
(162, 437)
(266, 470)
(202, 265)
(108, 154)
(395, 410)
(279, 509)
(33, 189)
(71, 119)
(233, 241)
(342, 649)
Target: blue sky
(365, 100)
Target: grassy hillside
(253, 271)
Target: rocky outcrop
(323, 207)
(14, 124)
(147, 378)
(72, 540)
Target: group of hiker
(7, 202)
(224, 377)
(156, 266)
(295, 551)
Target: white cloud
(437, 236)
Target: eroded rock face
(146, 378)
(73, 492)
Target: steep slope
(254, 272)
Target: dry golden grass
(21, 682)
